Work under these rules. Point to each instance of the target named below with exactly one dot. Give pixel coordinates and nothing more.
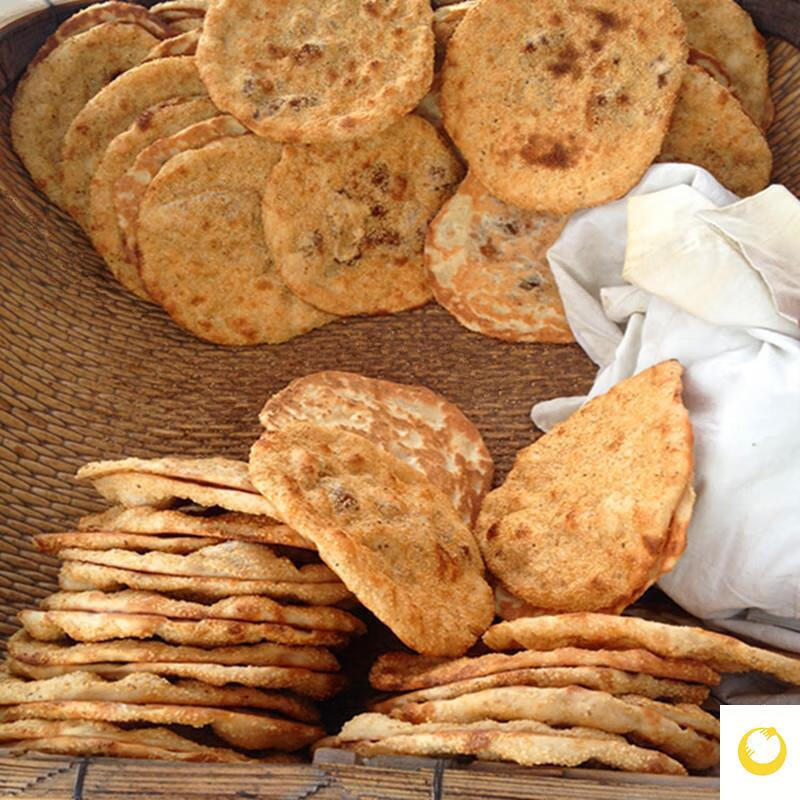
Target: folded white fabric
(714, 283)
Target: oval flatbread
(488, 264)
(412, 423)
(346, 222)
(294, 71)
(538, 96)
(389, 534)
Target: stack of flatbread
(578, 688)
(211, 616)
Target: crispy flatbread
(111, 540)
(78, 576)
(412, 423)
(23, 648)
(88, 626)
(144, 687)
(385, 529)
(585, 517)
(240, 729)
(318, 685)
(248, 608)
(572, 705)
(184, 44)
(687, 715)
(404, 671)
(606, 679)
(721, 652)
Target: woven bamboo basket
(91, 372)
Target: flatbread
(346, 221)
(244, 608)
(240, 729)
(528, 749)
(108, 540)
(22, 648)
(153, 124)
(725, 30)
(55, 88)
(572, 705)
(412, 423)
(390, 535)
(184, 44)
(297, 73)
(686, 715)
(78, 576)
(713, 67)
(488, 264)
(721, 652)
(445, 21)
(91, 738)
(572, 83)
(709, 128)
(111, 111)
(171, 10)
(605, 679)
(130, 188)
(586, 514)
(88, 626)
(318, 685)
(246, 527)
(404, 671)
(143, 687)
(239, 560)
(203, 256)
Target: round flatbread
(488, 264)
(586, 518)
(184, 44)
(724, 30)
(298, 72)
(153, 124)
(346, 221)
(56, 87)
(110, 112)
(202, 251)
(709, 128)
(412, 423)
(539, 96)
(390, 535)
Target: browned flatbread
(404, 671)
(110, 540)
(687, 715)
(184, 44)
(391, 536)
(412, 423)
(246, 608)
(721, 652)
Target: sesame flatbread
(572, 83)
(240, 560)
(527, 749)
(88, 626)
(109, 540)
(605, 679)
(709, 128)
(144, 688)
(144, 520)
(79, 576)
(346, 221)
(292, 72)
(724, 30)
(318, 685)
(404, 671)
(488, 264)
(585, 516)
(572, 706)
(55, 88)
(412, 423)
(685, 714)
(110, 112)
(391, 536)
(203, 256)
(162, 120)
(22, 648)
(245, 608)
(241, 729)
(721, 652)
(184, 44)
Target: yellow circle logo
(762, 751)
